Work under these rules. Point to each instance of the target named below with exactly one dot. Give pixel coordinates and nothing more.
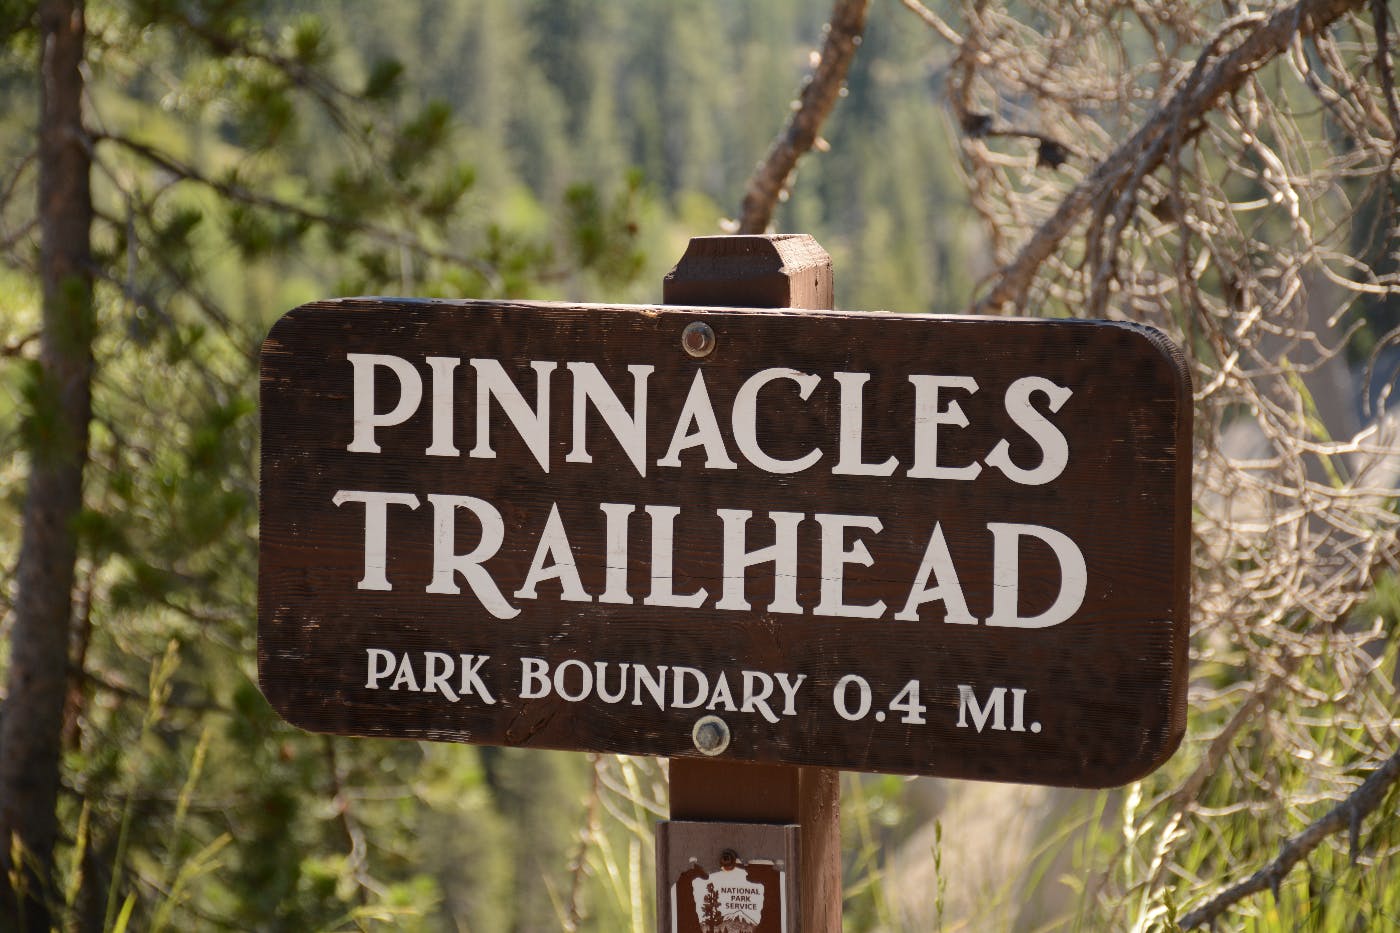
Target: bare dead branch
(1175, 121)
(814, 104)
(933, 21)
(1254, 703)
(1213, 208)
(1380, 15)
(1346, 815)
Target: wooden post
(770, 271)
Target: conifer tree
(189, 170)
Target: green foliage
(420, 138)
(602, 234)
(660, 107)
(16, 16)
(254, 176)
(875, 821)
(537, 149)
(384, 81)
(1168, 860)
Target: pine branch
(814, 105)
(1346, 815)
(242, 195)
(1178, 120)
(147, 298)
(224, 43)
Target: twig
(357, 857)
(12, 183)
(814, 104)
(11, 240)
(1345, 815)
(17, 348)
(573, 913)
(1180, 118)
(100, 682)
(1050, 152)
(1381, 15)
(77, 694)
(1253, 705)
(933, 21)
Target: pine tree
(193, 168)
(709, 908)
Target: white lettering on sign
(428, 672)
(664, 686)
(376, 531)
(746, 420)
(698, 412)
(727, 897)
(928, 416)
(993, 709)
(388, 391)
(843, 546)
(458, 677)
(448, 565)
(852, 461)
(365, 418)
(531, 423)
(938, 405)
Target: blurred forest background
(250, 155)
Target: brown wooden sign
(897, 543)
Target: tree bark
(816, 100)
(57, 442)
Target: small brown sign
(898, 543)
(717, 877)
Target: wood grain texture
(1107, 686)
(784, 270)
(720, 271)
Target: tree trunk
(57, 441)
(814, 103)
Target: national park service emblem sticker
(727, 878)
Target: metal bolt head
(698, 339)
(710, 735)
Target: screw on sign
(808, 540)
(698, 339)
